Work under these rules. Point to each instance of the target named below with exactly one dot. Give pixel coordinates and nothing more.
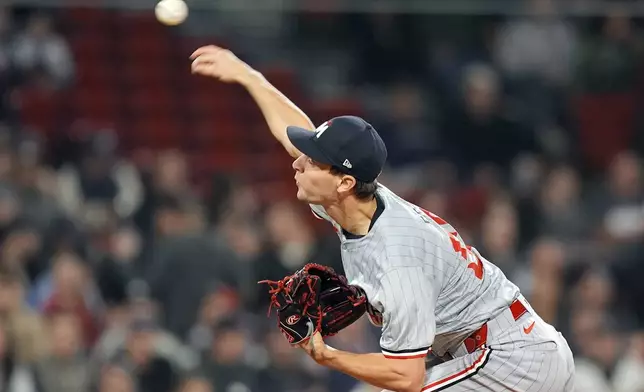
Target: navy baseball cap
(348, 143)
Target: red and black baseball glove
(315, 299)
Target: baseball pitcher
(406, 268)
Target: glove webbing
(283, 286)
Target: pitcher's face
(315, 182)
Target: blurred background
(139, 204)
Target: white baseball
(171, 12)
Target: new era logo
(347, 164)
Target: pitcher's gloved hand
(315, 299)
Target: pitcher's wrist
(250, 77)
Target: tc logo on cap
(320, 130)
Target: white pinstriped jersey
(431, 289)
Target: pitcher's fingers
(197, 64)
(201, 61)
(205, 49)
(208, 58)
(209, 69)
(204, 69)
(201, 50)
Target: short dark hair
(362, 190)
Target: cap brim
(304, 140)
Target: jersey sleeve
(409, 325)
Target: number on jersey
(459, 246)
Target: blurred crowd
(118, 274)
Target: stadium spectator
(42, 54)
(73, 291)
(16, 376)
(151, 371)
(539, 45)
(115, 379)
(24, 326)
(66, 367)
(226, 363)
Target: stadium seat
(600, 115)
(148, 46)
(215, 133)
(143, 75)
(96, 74)
(285, 80)
(39, 109)
(201, 104)
(156, 131)
(216, 160)
(151, 101)
(96, 104)
(94, 45)
(130, 24)
(87, 19)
